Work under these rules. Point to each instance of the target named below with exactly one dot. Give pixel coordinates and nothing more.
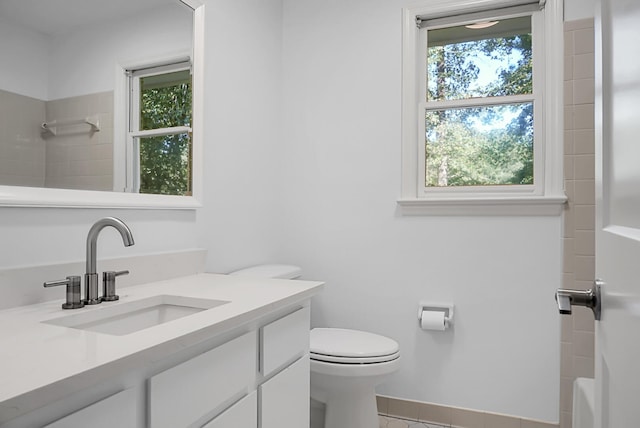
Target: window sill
(484, 206)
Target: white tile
(584, 141)
(583, 367)
(583, 41)
(584, 66)
(568, 68)
(582, 91)
(584, 167)
(568, 142)
(584, 268)
(578, 24)
(583, 317)
(584, 243)
(584, 192)
(585, 217)
(568, 118)
(583, 116)
(566, 394)
(568, 42)
(583, 344)
(566, 360)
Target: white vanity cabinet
(229, 377)
(207, 383)
(285, 397)
(284, 361)
(243, 414)
(244, 366)
(118, 410)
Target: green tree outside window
(481, 145)
(166, 161)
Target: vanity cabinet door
(284, 399)
(243, 414)
(119, 410)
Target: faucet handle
(109, 284)
(73, 291)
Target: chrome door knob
(567, 298)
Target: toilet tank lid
(271, 271)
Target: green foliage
(165, 161)
(452, 74)
(165, 165)
(464, 146)
(458, 155)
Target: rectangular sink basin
(126, 318)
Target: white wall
(43, 235)
(83, 61)
(25, 57)
(33, 236)
(239, 223)
(242, 89)
(315, 183)
(341, 179)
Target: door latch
(590, 298)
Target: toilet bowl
(346, 365)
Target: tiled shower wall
(22, 150)
(577, 339)
(75, 158)
(78, 158)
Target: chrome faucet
(91, 277)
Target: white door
(618, 213)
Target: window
(159, 137)
(476, 128)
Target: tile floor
(388, 422)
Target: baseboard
(454, 417)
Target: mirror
(66, 111)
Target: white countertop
(35, 356)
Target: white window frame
(134, 133)
(546, 196)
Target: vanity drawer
(117, 410)
(243, 414)
(284, 340)
(185, 393)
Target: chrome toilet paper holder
(447, 308)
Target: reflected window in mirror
(159, 138)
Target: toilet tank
(271, 271)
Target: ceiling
(52, 17)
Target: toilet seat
(351, 360)
(344, 346)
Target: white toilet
(346, 365)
